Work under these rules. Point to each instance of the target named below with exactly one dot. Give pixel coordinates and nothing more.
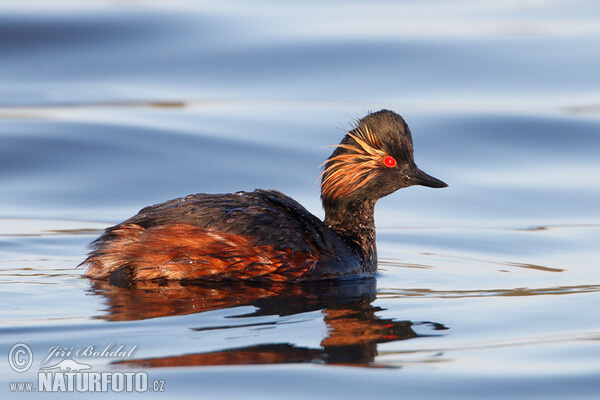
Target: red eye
(389, 161)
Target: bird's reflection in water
(353, 328)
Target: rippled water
(487, 289)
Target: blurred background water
(489, 288)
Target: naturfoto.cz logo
(69, 375)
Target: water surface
(487, 289)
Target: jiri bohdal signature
(92, 350)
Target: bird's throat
(354, 222)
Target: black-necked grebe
(265, 235)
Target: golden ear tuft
(351, 170)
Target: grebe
(265, 235)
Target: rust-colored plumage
(182, 251)
(265, 235)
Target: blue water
(487, 289)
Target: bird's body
(256, 235)
(265, 235)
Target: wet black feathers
(268, 217)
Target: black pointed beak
(419, 177)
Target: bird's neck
(355, 223)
